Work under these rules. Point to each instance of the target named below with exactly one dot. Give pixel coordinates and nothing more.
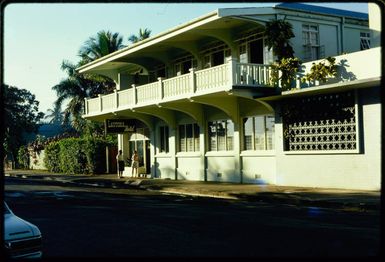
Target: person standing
(135, 163)
(120, 160)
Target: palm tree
(143, 34)
(100, 45)
(75, 88)
(56, 115)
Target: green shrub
(76, 156)
(52, 158)
(23, 157)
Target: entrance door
(256, 51)
(139, 141)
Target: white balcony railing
(214, 79)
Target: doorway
(140, 142)
(256, 51)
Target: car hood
(15, 227)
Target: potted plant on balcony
(319, 72)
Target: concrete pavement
(355, 200)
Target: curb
(267, 197)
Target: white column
(192, 80)
(100, 103)
(134, 94)
(232, 73)
(202, 149)
(85, 106)
(160, 88)
(173, 149)
(153, 151)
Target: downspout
(342, 35)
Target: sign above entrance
(119, 125)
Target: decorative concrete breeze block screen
(320, 123)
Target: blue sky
(38, 37)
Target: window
(258, 133)
(163, 132)
(321, 123)
(364, 40)
(310, 38)
(221, 134)
(188, 138)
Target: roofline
(285, 6)
(153, 38)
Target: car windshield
(6, 209)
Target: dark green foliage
(76, 156)
(322, 70)
(288, 68)
(23, 157)
(21, 116)
(277, 34)
(52, 157)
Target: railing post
(279, 79)
(134, 93)
(86, 106)
(160, 87)
(100, 103)
(192, 80)
(116, 99)
(232, 71)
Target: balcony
(216, 79)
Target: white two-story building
(199, 103)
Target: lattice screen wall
(320, 123)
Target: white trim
(188, 154)
(263, 153)
(220, 153)
(322, 152)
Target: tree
(277, 35)
(143, 34)
(21, 116)
(75, 88)
(104, 43)
(55, 115)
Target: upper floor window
(221, 134)
(188, 138)
(310, 40)
(164, 134)
(364, 40)
(258, 133)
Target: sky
(38, 37)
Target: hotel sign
(119, 125)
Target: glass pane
(162, 139)
(259, 133)
(189, 138)
(248, 134)
(196, 137)
(182, 139)
(230, 134)
(212, 130)
(270, 132)
(139, 145)
(166, 135)
(221, 135)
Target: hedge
(76, 156)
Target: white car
(21, 238)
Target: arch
(164, 114)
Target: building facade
(201, 104)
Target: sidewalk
(356, 200)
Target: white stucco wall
(259, 169)
(349, 171)
(222, 168)
(38, 161)
(189, 168)
(164, 167)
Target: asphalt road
(95, 222)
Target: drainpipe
(342, 35)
